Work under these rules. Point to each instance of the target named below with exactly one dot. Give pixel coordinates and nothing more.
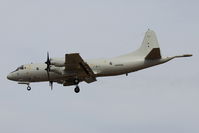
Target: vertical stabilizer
(150, 47)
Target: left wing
(75, 64)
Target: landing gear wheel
(28, 88)
(77, 90)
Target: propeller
(51, 85)
(48, 63)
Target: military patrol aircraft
(72, 69)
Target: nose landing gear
(28, 88)
(77, 90)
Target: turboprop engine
(54, 65)
(57, 62)
(58, 70)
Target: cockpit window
(19, 68)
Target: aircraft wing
(76, 65)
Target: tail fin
(150, 47)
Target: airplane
(72, 69)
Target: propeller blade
(48, 74)
(48, 63)
(51, 85)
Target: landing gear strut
(28, 88)
(76, 81)
(77, 90)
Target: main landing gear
(77, 90)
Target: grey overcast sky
(162, 99)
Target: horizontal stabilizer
(185, 55)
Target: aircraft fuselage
(72, 69)
(102, 67)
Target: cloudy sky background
(162, 99)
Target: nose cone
(10, 77)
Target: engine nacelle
(57, 62)
(57, 70)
